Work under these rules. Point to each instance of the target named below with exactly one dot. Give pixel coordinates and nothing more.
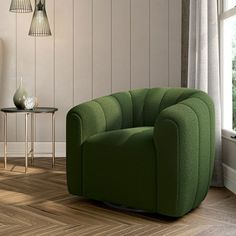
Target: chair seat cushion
(119, 167)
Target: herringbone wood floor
(38, 204)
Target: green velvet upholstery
(149, 149)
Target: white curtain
(203, 64)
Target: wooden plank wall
(98, 47)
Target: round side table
(26, 113)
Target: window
(228, 62)
(228, 4)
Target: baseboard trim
(229, 178)
(16, 149)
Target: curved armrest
(184, 138)
(82, 121)
(88, 119)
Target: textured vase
(20, 96)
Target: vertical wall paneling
(139, 43)
(82, 50)
(26, 66)
(175, 12)
(159, 47)
(97, 47)
(120, 45)
(63, 63)
(44, 77)
(8, 67)
(101, 47)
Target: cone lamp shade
(21, 6)
(40, 25)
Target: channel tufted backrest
(117, 109)
(139, 107)
(148, 103)
(135, 108)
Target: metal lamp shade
(40, 25)
(21, 6)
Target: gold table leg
(26, 142)
(53, 139)
(32, 137)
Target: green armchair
(149, 149)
